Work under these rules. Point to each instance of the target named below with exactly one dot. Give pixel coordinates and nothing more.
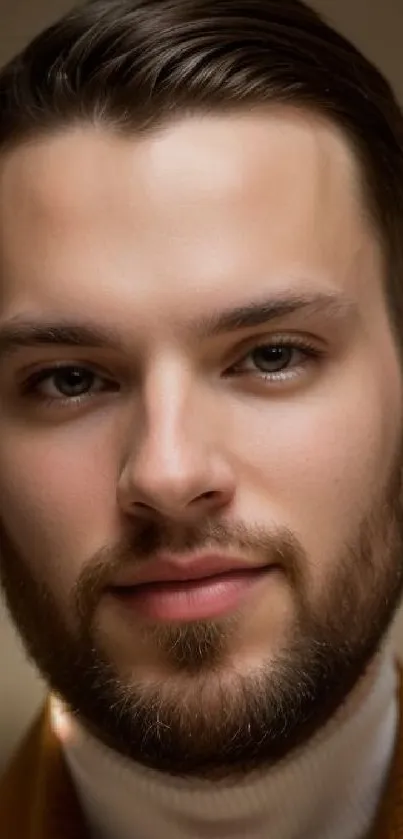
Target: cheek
(314, 464)
(54, 496)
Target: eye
(278, 360)
(65, 384)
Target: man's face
(274, 443)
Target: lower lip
(192, 600)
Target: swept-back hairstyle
(134, 64)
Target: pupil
(269, 356)
(73, 379)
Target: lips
(177, 569)
(189, 589)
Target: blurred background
(376, 26)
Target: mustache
(148, 539)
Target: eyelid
(298, 341)
(289, 338)
(44, 368)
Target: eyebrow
(25, 333)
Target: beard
(206, 719)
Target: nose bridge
(170, 432)
(172, 458)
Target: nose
(177, 467)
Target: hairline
(150, 126)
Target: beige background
(377, 27)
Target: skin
(144, 235)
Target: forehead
(204, 207)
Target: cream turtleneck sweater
(328, 790)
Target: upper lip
(194, 567)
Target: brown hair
(133, 64)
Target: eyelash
(311, 352)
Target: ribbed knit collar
(330, 789)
